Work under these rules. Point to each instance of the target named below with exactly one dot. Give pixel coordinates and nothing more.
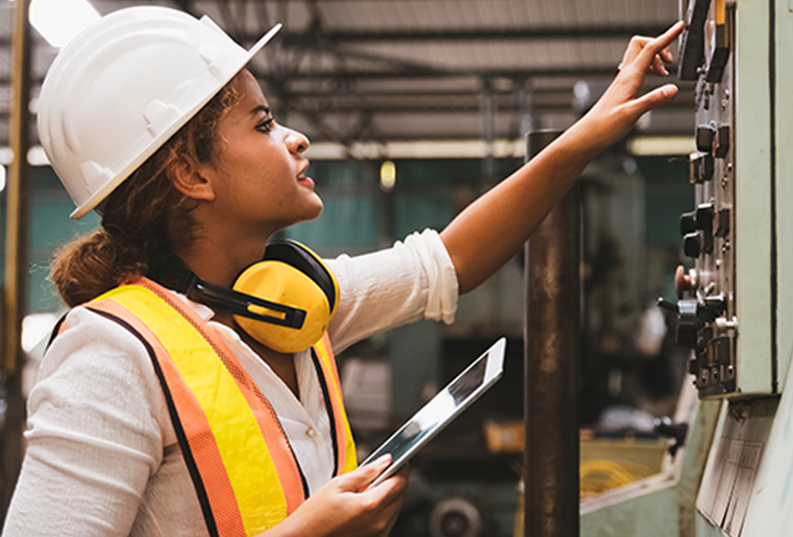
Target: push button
(722, 146)
(701, 168)
(692, 244)
(705, 135)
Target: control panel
(706, 309)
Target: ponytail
(92, 265)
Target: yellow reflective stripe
(350, 456)
(244, 452)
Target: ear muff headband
(171, 272)
(285, 301)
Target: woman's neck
(220, 261)
(282, 364)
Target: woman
(115, 447)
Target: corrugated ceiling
(381, 70)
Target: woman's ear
(188, 179)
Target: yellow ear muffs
(293, 276)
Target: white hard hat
(123, 87)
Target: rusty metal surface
(552, 351)
(17, 201)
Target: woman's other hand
(345, 507)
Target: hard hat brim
(105, 191)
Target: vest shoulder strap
(223, 421)
(346, 458)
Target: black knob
(700, 167)
(706, 169)
(722, 146)
(701, 218)
(705, 135)
(688, 223)
(687, 324)
(711, 307)
(692, 244)
(704, 216)
(722, 223)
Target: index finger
(655, 46)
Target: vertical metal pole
(552, 351)
(17, 200)
(488, 109)
(524, 108)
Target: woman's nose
(296, 141)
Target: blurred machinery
(733, 476)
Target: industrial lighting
(58, 21)
(388, 175)
(645, 146)
(419, 149)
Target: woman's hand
(620, 107)
(344, 507)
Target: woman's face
(258, 170)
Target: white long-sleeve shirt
(103, 458)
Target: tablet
(455, 397)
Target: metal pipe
(15, 284)
(551, 351)
(488, 111)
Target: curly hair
(141, 216)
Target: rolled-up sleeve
(410, 281)
(94, 435)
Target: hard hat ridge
(123, 87)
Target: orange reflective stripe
(348, 459)
(243, 467)
(255, 456)
(201, 449)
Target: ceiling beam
(408, 73)
(417, 73)
(475, 34)
(442, 34)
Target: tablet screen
(442, 409)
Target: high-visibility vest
(244, 470)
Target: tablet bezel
(494, 368)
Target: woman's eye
(266, 125)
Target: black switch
(688, 223)
(701, 168)
(705, 214)
(705, 135)
(692, 244)
(711, 307)
(722, 223)
(706, 169)
(704, 217)
(722, 146)
(687, 324)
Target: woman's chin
(310, 215)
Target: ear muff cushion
(299, 281)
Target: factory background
(414, 108)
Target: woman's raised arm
(490, 230)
